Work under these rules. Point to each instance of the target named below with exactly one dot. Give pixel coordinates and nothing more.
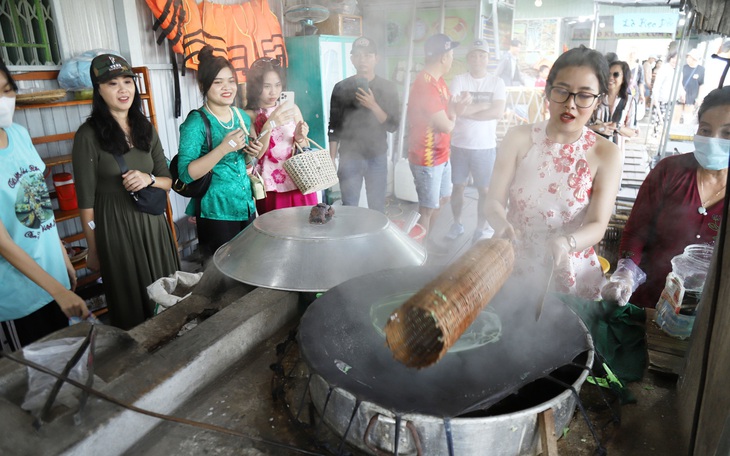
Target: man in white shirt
(662, 89)
(474, 138)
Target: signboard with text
(645, 23)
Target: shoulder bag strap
(689, 78)
(122, 163)
(618, 113)
(240, 120)
(206, 123)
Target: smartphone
(361, 83)
(286, 96)
(261, 135)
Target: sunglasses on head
(264, 60)
(616, 74)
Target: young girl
(560, 180)
(283, 125)
(37, 276)
(228, 205)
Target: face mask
(712, 153)
(7, 109)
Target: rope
(174, 419)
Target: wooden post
(546, 427)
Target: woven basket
(44, 96)
(423, 329)
(312, 171)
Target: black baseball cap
(364, 44)
(105, 67)
(439, 44)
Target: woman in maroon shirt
(680, 203)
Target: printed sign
(645, 23)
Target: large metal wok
(357, 385)
(282, 250)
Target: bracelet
(571, 243)
(272, 124)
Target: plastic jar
(692, 265)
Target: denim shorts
(478, 162)
(432, 183)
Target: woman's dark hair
(578, 57)
(209, 67)
(623, 91)
(718, 97)
(108, 131)
(6, 72)
(255, 79)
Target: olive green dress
(135, 249)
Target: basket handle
(309, 140)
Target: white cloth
(477, 134)
(663, 84)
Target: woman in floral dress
(555, 182)
(282, 125)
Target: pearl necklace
(702, 210)
(227, 127)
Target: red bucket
(418, 232)
(66, 191)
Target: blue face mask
(712, 153)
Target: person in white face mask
(680, 203)
(35, 272)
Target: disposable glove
(623, 282)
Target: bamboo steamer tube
(423, 329)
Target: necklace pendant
(701, 210)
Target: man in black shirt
(363, 109)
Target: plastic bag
(74, 73)
(161, 291)
(53, 354)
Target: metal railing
(27, 33)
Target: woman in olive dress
(132, 249)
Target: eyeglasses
(266, 60)
(581, 99)
(616, 74)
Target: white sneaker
(486, 233)
(456, 230)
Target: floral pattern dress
(549, 197)
(281, 191)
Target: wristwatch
(153, 180)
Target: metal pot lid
(282, 250)
(341, 339)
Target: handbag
(257, 185)
(313, 170)
(150, 200)
(198, 187)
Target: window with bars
(28, 33)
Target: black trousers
(23, 331)
(214, 233)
